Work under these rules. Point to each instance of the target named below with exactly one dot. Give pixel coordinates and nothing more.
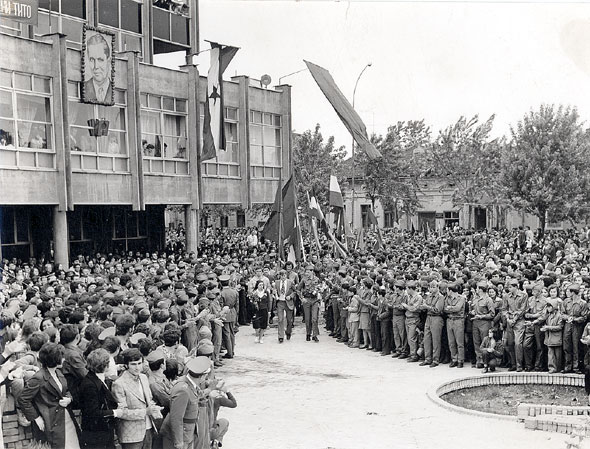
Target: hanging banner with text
(24, 11)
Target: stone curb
(508, 378)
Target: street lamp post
(353, 162)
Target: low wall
(508, 378)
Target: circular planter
(508, 378)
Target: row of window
(27, 137)
(123, 17)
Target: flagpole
(281, 249)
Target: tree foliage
(393, 178)
(546, 166)
(465, 155)
(313, 162)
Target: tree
(313, 162)
(469, 160)
(393, 178)
(546, 166)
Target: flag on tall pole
(335, 198)
(373, 220)
(213, 129)
(283, 225)
(343, 108)
(314, 213)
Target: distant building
(436, 211)
(64, 191)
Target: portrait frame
(87, 91)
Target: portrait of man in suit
(98, 68)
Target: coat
(231, 299)
(179, 427)
(290, 292)
(41, 398)
(98, 422)
(131, 426)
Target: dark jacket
(97, 405)
(41, 398)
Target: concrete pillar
(60, 238)
(191, 224)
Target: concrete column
(191, 224)
(60, 237)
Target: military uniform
(412, 307)
(483, 306)
(574, 314)
(455, 309)
(434, 304)
(398, 321)
(533, 336)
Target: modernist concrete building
(63, 191)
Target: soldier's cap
(211, 295)
(144, 313)
(212, 276)
(205, 347)
(108, 295)
(134, 339)
(198, 366)
(166, 282)
(201, 277)
(224, 278)
(192, 292)
(552, 302)
(572, 287)
(412, 284)
(108, 332)
(205, 333)
(179, 286)
(156, 355)
(399, 283)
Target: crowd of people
(134, 340)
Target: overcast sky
(432, 61)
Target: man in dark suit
(284, 293)
(98, 88)
(179, 427)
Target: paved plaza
(305, 395)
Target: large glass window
(104, 153)
(172, 21)
(15, 227)
(164, 140)
(129, 229)
(26, 131)
(451, 218)
(227, 161)
(124, 18)
(63, 16)
(265, 144)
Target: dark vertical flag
(373, 220)
(213, 129)
(343, 108)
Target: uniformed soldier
(574, 313)
(179, 427)
(412, 307)
(516, 304)
(398, 320)
(455, 309)
(483, 313)
(533, 335)
(433, 305)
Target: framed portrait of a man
(98, 66)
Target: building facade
(65, 191)
(437, 211)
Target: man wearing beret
(179, 427)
